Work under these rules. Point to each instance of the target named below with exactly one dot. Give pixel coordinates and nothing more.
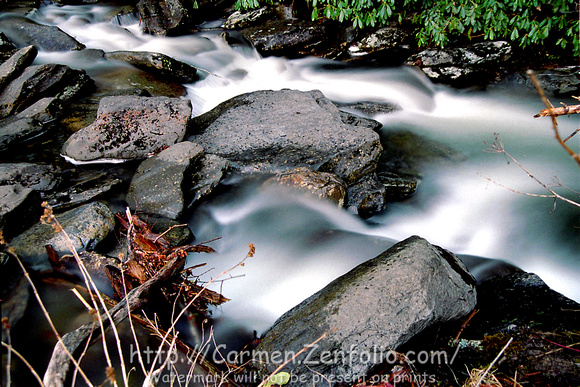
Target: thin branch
(574, 155)
(494, 361)
(558, 111)
(19, 355)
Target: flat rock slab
(130, 127)
(16, 64)
(273, 131)
(374, 308)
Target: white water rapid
(302, 244)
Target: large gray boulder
(371, 310)
(24, 32)
(86, 226)
(130, 127)
(273, 131)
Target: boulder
(209, 173)
(366, 313)
(238, 19)
(273, 131)
(157, 64)
(19, 209)
(40, 177)
(12, 68)
(25, 32)
(462, 65)
(86, 226)
(16, 130)
(158, 185)
(284, 37)
(390, 45)
(168, 17)
(40, 81)
(323, 185)
(367, 197)
(130, 127)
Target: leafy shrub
(524, 22)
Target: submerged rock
(130, 127)
(324, 185)
(368, 312)
(86, 226)
(157, 64)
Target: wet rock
(397, 187)
(284, 37)
(210, 171)
(367, 197)
(25, 32)
(86, 226)
(240, 19)
(457, 65)
(19, 209)
(157, 64)
(40, 177)
(40, 81)
(130, 127)
(83, 187)
(390, 44)
(558, 81)
(157, 187)
(16, 130)
(369, 109)
(373, 309)
(324, 185)
(171, 17)
(272, 131)
(14, 66)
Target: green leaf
(280, 379)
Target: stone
(240, 19)
(17, 130)
(367, 197)
(40, 81)
(130, 127)
(19, 208)
(170, 17)
(208, 175)
(16, 64)
(273, 131)
(157, 187)
(284, 37)
(324, 185)
(157, 64)
(86, 227)
(371, 310)
(25, 32)
(40, 177)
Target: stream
(301, 243)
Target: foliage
(524, 22)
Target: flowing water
(302, 244)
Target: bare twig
(26, 363)
(498, 147)
(494, 361)
(550, 107)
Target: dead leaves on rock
(147, 254)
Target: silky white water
(302, 244)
